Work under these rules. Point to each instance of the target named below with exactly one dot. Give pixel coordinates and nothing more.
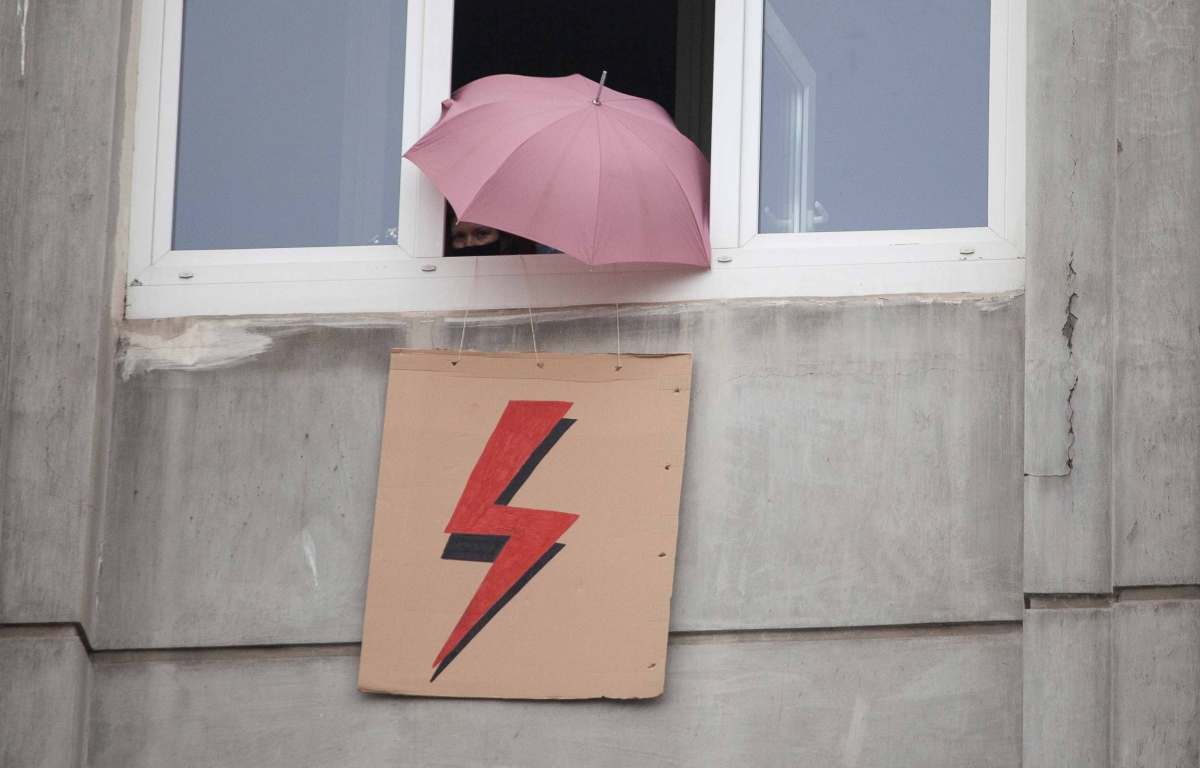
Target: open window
(267, 137)
(637, 42)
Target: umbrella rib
(541, 205)
(667, 125)
(445, 128)
(599, 184)
(566, 151)
(516, 149)
(696, 224)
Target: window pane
(875, 115)
(289, 123)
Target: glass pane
(874, 115)
(289, 123)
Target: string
(529, 306)
(470, 298)
(618, 336)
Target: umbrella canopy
(605, 182)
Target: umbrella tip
(599, 90)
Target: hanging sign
(525, 525)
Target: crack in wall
(1068, 332)
(1071, 425)
(1068, 329)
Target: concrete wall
(778, 699)
(58, 118)
(44, 675)
(850, 463)
(1112, 385)
(864, 576)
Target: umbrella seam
(652, 123)
(441, 135)
(513, 152)
(599, 183)
(444, 135)
(696, 228)
(557, 165)
(646, 118)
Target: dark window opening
(656, 49)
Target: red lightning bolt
(527, 538)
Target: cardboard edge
(366, 687)
(601, 697)
(533, 355)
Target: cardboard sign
(525, 525)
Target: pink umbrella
(597, 174)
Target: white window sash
(409, 276)
(736, 132)
(801, 208)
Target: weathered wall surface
(1156, 272)
(854, 469)
(1068, 359)
(849, 463)
(1113, 681)
(772, 699)
(1156, 683)
(1067, 690)
(1113, 335)
(1112, 390)
(43, 693)
(58, 92)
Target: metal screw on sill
(429, 267)
(966, 250)
(724, 258)
(186, 275)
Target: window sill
(382, 279)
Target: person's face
(464, 234)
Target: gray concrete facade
(896, 501)
(58, 119)
(758, 699)
(1111, 381)
(935, 530)
(44, 676)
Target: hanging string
(470, 298)
(529, 306)
(618, 335)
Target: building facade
(939, 529)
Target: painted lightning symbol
(517, 542)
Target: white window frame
(803, 212)
(412, 276)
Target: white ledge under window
(412, 275)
